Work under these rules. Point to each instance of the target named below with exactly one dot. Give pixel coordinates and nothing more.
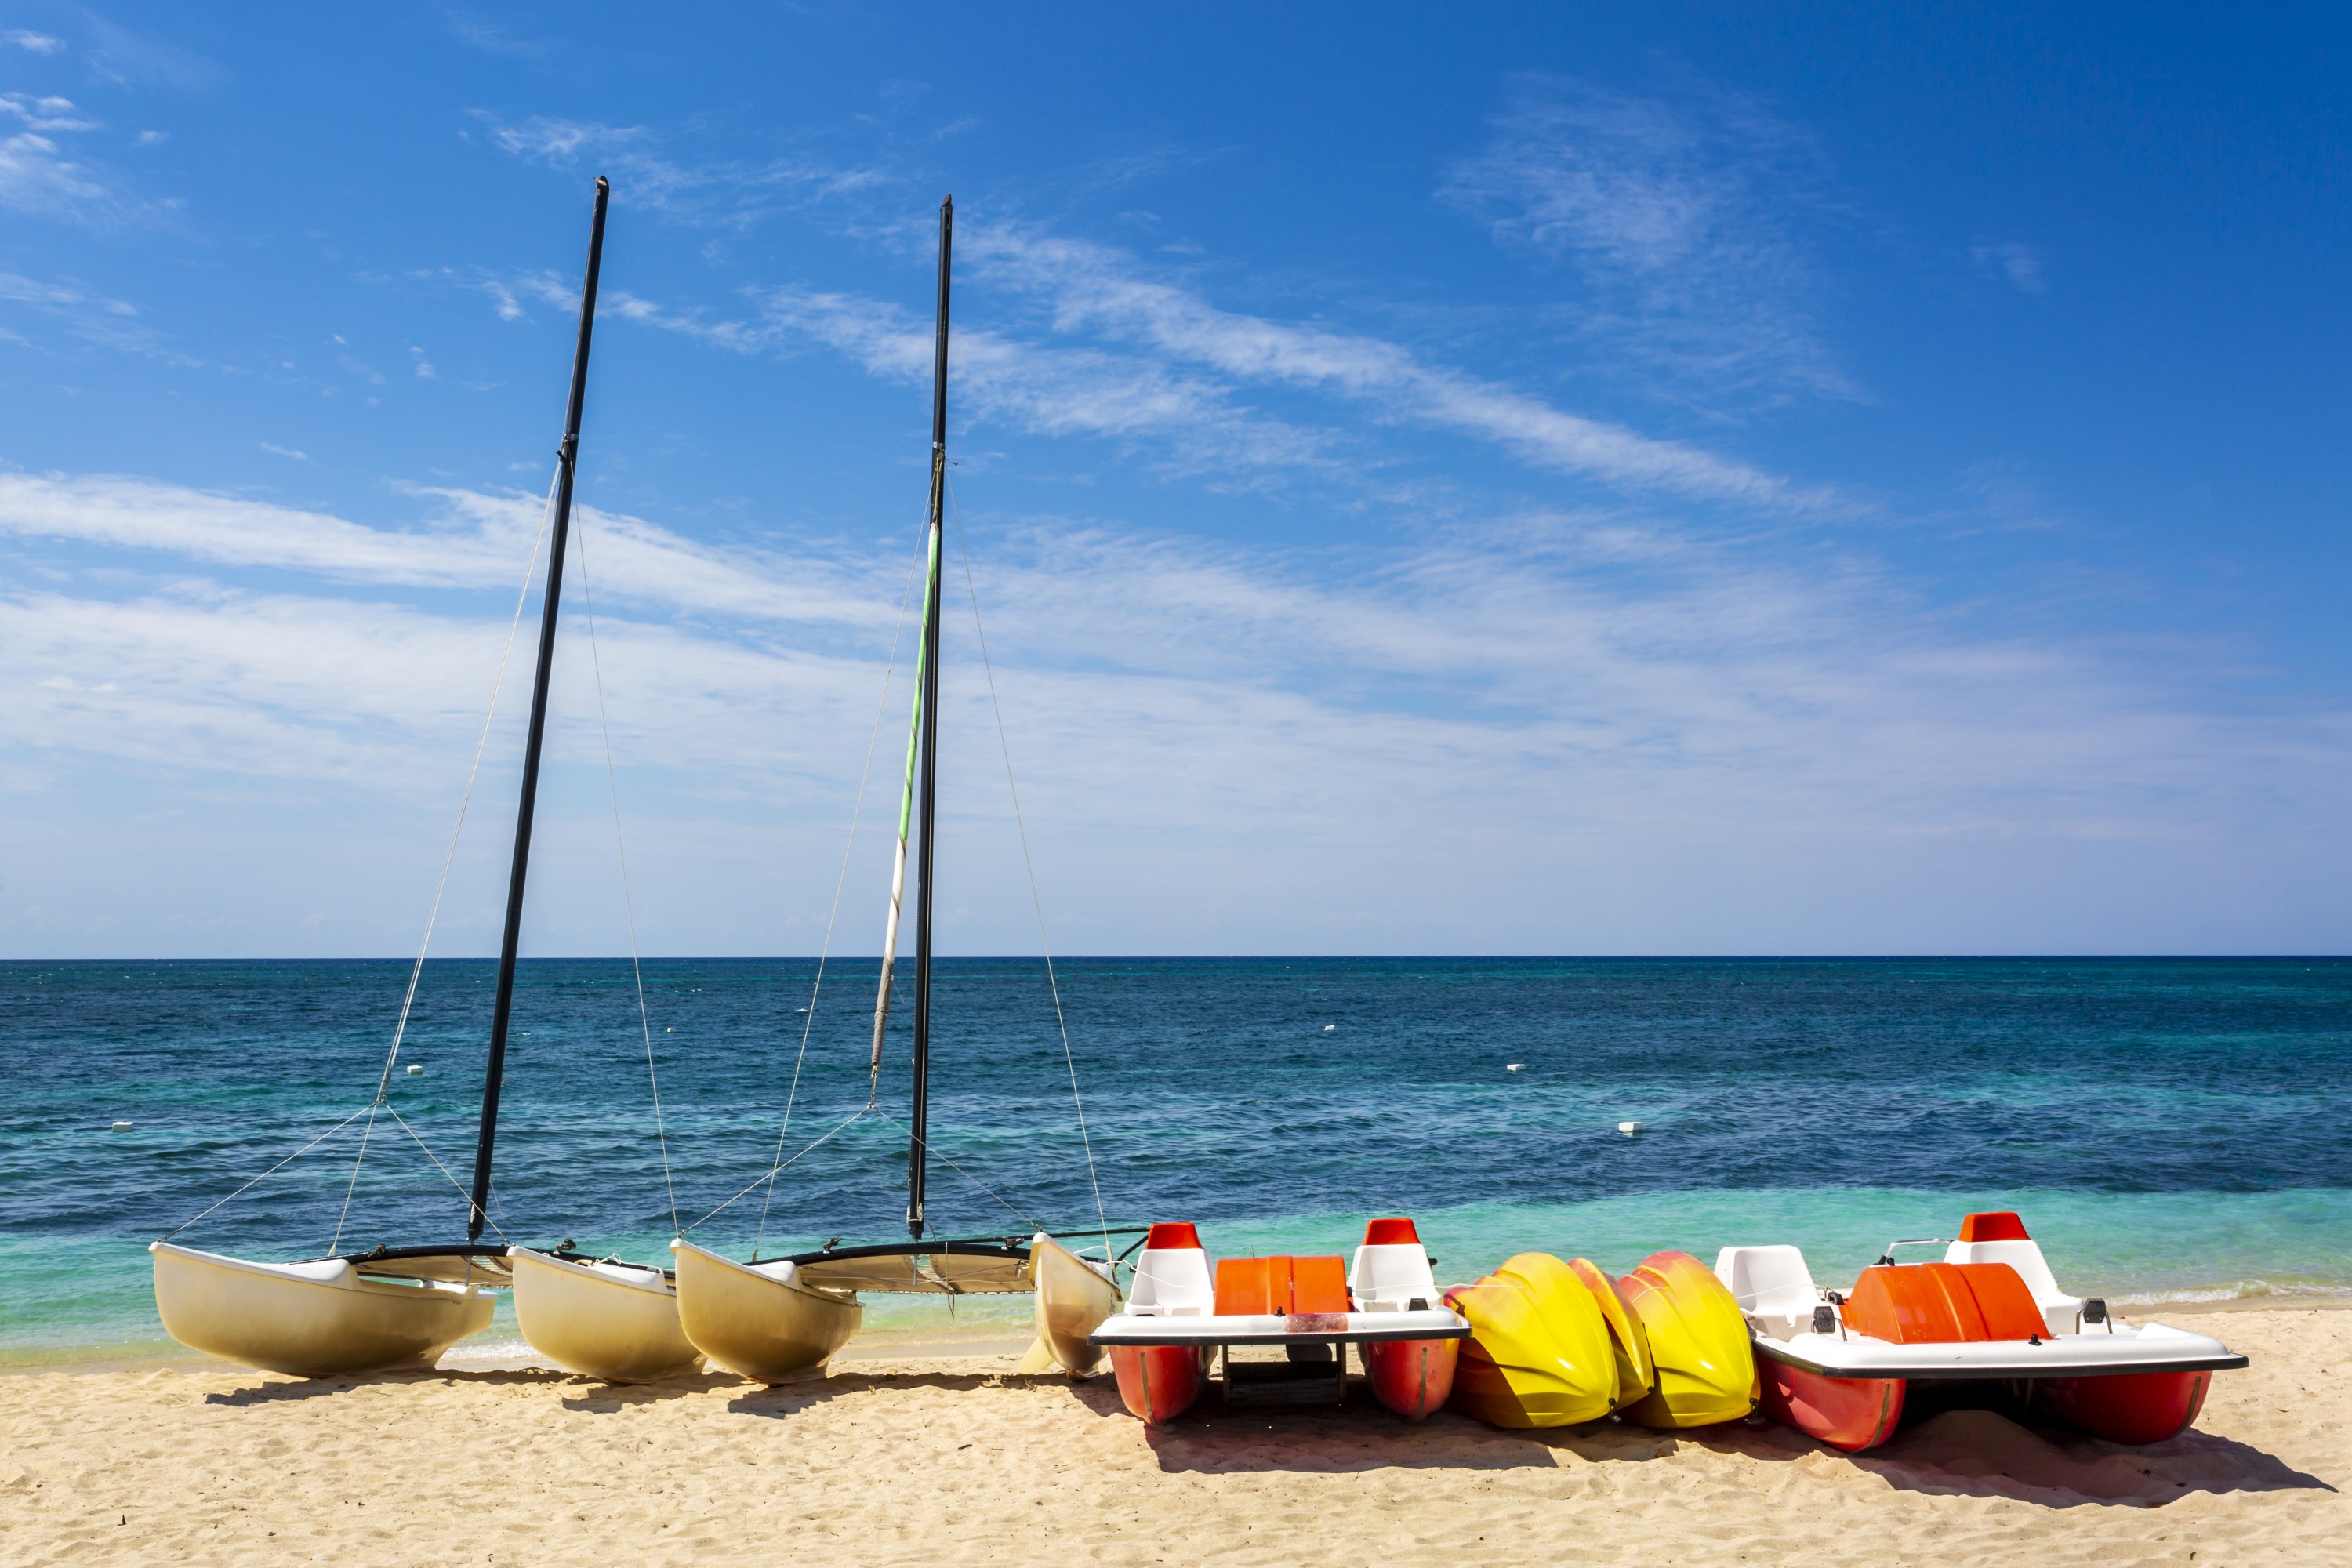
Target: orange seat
(1943, 1303)
(2003, 1226)
(1391, 1233)
(1280, 1286)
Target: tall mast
(928, 739)
(567, 457)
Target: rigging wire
(857, 810)
(858, 1115)
(1035, 902)
(620, 848)
(438, 1165)
(417, 970)
(273, 1169)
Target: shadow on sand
(1967, 1453)
(585, 1394)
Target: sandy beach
(929, 1459)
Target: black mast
(929, 744)
(566, 461)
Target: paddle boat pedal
(1181, 1318)
(1988, 1325)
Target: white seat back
(1172, 1281)
(1393, 1271)
(1771, 1281)
(2025, 1256)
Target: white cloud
(286, 452)
(41, 178)
(1680, 215)
(34, 43)
(2021, 266)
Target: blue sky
(1661, 479)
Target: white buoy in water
(122, 1127)
(1330, 1028)
(1515, 1067)
(673, 1028)
(416, 1071)
(1629, 1128)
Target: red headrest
(1173, 1238)
(2001, 1226)
(1391, 1233)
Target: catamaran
(361, 1311)
(783, 1318)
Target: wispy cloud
(32, 42)
(729, 194)
(2020, 265)
(90, 316)
(1681, 216)
(298, 457)
(1158, 364)
(470, 539)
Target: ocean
(2170, 1128)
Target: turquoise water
(2170, 1129)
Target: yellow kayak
(1540, 1352)
(1704, 1363)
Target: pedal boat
(599, 1317)
(783, 1321)
(328, 1316)
(1987, 1325)
(1180, 1318)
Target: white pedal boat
(327, 1316)
(1179, 1316)
(1838, 1365)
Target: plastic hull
(1160, 1382)
(1411, 1377)
(757, 1325)
(1848, 1412)
(2138, 1407)
(1539, 1353)
(621, 1325)
(317, 1320)
(1072, 1301)
(1702, 1358)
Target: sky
(1551, 479)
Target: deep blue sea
(2167, 1128)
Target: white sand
(953, 1460)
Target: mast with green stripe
(921, 782)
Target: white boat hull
(308, 1320)
(1072, 1298)
(613, 1321)
(759, 1321)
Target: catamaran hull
(1411, 1377)
(320, 1323)
(1160, 1382)
(1072, 1301)
(599, 1322)
(755, 1324)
